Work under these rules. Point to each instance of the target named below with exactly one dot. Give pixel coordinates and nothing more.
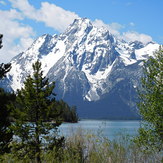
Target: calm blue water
(108, 128)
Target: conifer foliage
(5, 133)
(5, 99)
(4, 68)
(34, 104)
(69, 114)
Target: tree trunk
(38, 150)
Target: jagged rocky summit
(92, 69)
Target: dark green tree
(34, 104)
(4, 68)
(74, 115)
(5, 99)
(151, 103)
(69, 114)
(5, 121)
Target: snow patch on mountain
(16, 77)
(49, 60)
(83, 56)
(144, 53)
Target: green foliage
(34, 104)
(4, 68)
(5, 98)
(5, 121)
(151, 103)
(69, 114)
(87, 147)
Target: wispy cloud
(50, 14)
(2, 2)
(132, 24)
(19, 36)
(13, 32)
(115, 29)
(133, 36)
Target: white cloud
(24, 7)
(115, 28)
(50, 14)
(17, 36)
(132, 24)
(99, 23)
(133, 36)
(56, 17)
(2, 2)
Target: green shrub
(87, 147)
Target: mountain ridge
(89, 66)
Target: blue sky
(22, 21)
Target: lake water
(108, 128)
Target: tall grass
(87, 147)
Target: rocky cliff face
(92, 69)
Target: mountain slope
(92, 69)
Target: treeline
(29, 122)
(33, 115)
(69, 114)
(29, 118)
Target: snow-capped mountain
(92, 69)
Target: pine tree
(68, 114)
(34, 104)
(74, 115)
(5, 133)
(4, 68)
(5, 99)
(151, 103)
